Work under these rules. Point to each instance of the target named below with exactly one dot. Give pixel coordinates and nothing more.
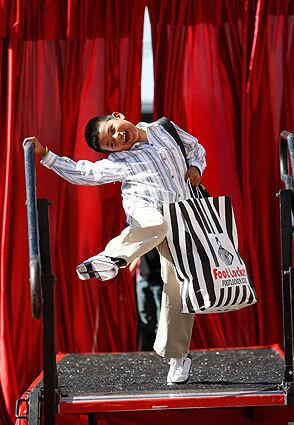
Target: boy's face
(117, 135)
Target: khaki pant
(147, 230)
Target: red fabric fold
(222, 72)
(71, 19)
(55, 75)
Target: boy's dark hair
(92, 132)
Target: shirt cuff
(196, 164)
(49, 159)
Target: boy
(152, 170)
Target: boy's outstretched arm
(82, 172)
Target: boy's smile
(119, 135)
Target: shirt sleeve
(85, 172)
(195, 152)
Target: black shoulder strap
(170, 128)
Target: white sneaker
(99, 266)
(179, 370)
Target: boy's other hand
(193, 175)
(39, 149)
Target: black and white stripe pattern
(203, 242)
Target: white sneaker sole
(100, 269)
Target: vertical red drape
(222, 71)
(62, 63)
(267, 109)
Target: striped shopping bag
(203, 242)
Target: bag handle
(195, 190)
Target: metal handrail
(286, 226)
(286, 152)
(33, 231)
(42, 293)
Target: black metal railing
(33, 231)
(43, 402)
(286, 197)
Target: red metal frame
(78, 405)
(23, 405)
(200, 401)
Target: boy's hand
(193, 175)
(39, 149)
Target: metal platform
(94, 383)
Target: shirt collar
(143, 126)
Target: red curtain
(62, 63)
(222, 71)
(267, 109)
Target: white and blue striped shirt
(152, 173)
